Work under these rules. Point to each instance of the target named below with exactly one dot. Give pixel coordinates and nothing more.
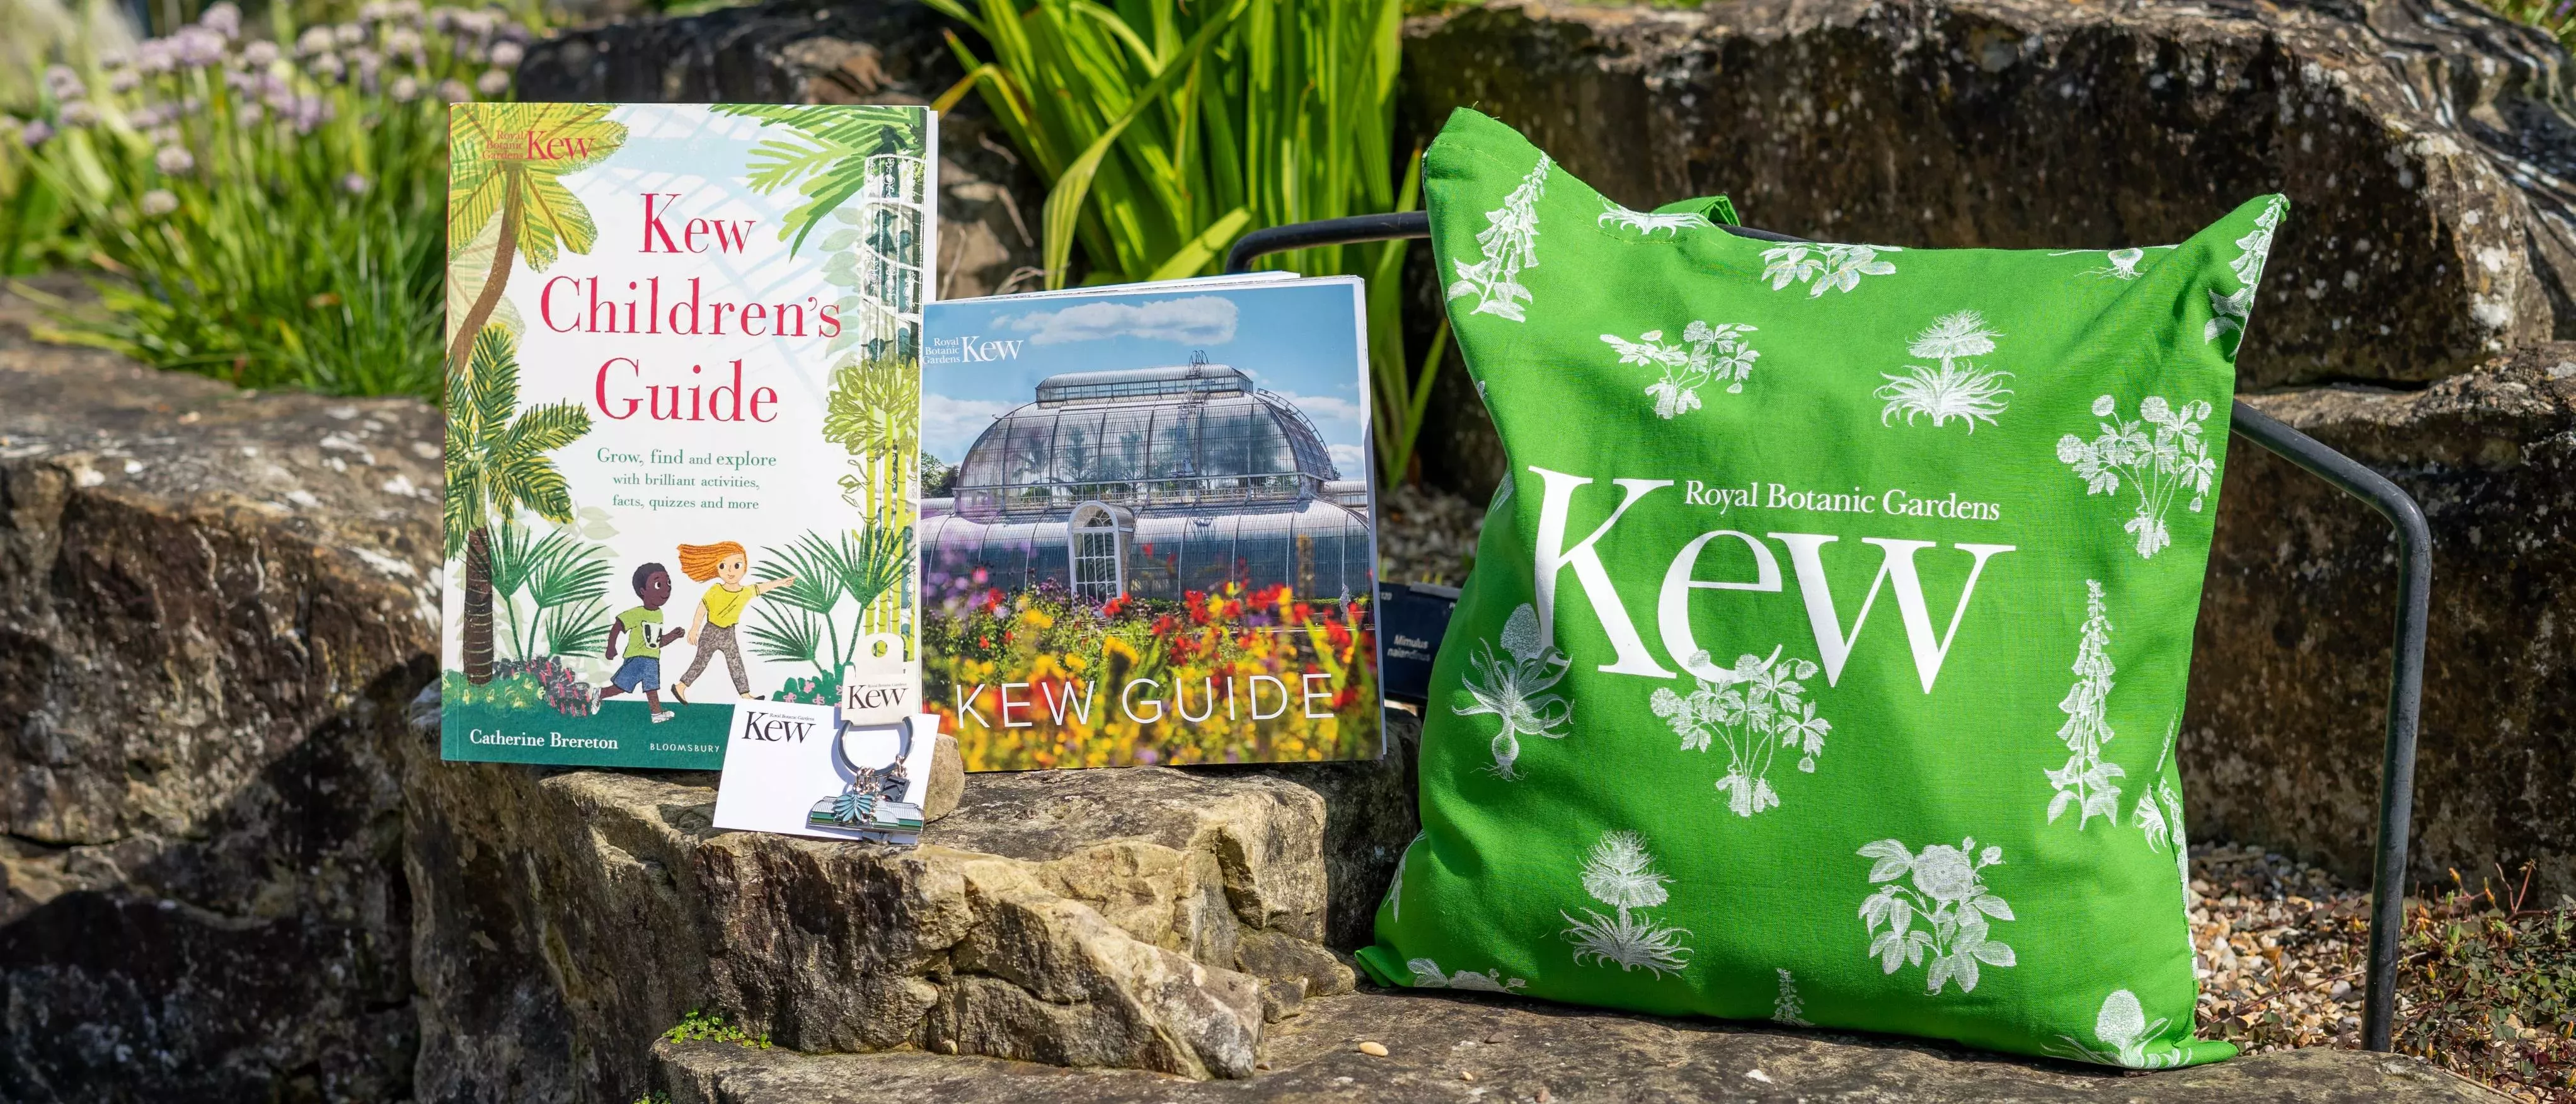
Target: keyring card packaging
(811, 770)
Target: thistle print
(1509, 245)
(1785, 1009)
(1395, 889)
(2229, 310)
(2085, 782)
(2118, 264)
(2123, 1031)
(1948, 894)
(1647, 224)
(1824, 268)
(1706, 354)
(1513, 685)
(1756, 710)
(1958, 388)
(1427, 975)
(1621, 874)
(2162, 452)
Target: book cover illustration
(1145, 527)
(819, 770)
(682, 391)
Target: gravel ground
(2280, 947)
(1428, 535)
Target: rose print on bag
(1513, 685)
(1948, 895)
(2123, 1031)
(1705, 354)
(1825, 267)
(1508, 244)
(1756, 711)
(2162, 453)
(1621, 874)
(2086, 780)
(1958, 388)
(1427, 975)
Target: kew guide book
(1145, 525)
(682, 391)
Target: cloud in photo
(1350, 460)
(1196, 320)
(949, 426)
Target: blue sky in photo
(1299, 340)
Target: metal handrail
(2414, 599)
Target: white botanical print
(2162, 452)
(1948, 894)
(1509, 245)
(1824, 268)
(1513, 685)
(2159, 815)
(1756, 711)
(2086, 781)
(1395, 889)
(1648, 223)
(2228, 310)
(1427, 975)
(1958, 388)
(1786, 1009)
(2124, 1032)
(1621, 874)
(2118, 264)
(1705, 354)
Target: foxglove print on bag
(1825, 621)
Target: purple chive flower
(314, 40)
(405, 9)
(163, 135)
(327, 67)
(79, 113)
(223, 19)
(63, 83)
(124, 80)
(260, 55)
(249, 114)
(405, 89)
(453, 90)
(174, 160)
(155, 55)
(349, 34)
(492, 83)
(403, 42)
(35, 132)
(198, 46)
(354, 184)
(507, 54)
(159, 202)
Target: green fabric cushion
(1827, 645)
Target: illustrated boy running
(643, 667)
(711, 629)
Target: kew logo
(997, 349)
(1896, 572)
(775, 728)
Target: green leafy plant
(1165, 130)
(564, 582)
(497, 465)
(711, 1027)
(2487, 984)
(267, 211)
(2558, 17)
(801, 622)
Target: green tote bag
(1827, 643)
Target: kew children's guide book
(681, 403)
(1145, 529)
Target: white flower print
(1756, 710)
(1786, 1009)
(1621, 874)
(1649, 223)
(2162, 452)
(1705, 354)
(2124, 1032)
(1513, 685)
(1824, 267)
(1958, 388)
(2159, 815)
(2118, 264)
(1395, 889)
(2085, 782)
(1427, 975)
(2228, 310)
(1949, 895)
(1508, 245)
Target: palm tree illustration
(498, 464)
(495, 176)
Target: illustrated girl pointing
(712, 628)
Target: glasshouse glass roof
(1186, 435)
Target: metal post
(2414, 601)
